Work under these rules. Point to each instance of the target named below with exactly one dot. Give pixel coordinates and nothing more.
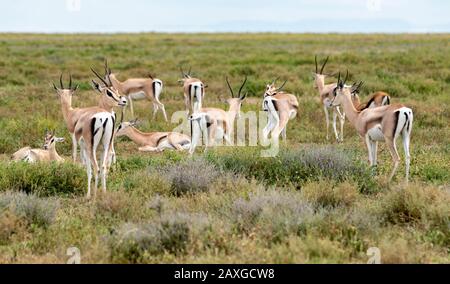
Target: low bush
(48, 179)
(190, 176)
(297, 166)
(34, 210)
(277, 213)
(327, 194)
(169, 233)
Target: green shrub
(47, 179)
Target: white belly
(375, 133)
(137, 96)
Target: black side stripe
(154, 88)
(406, 121)
(409, 125)
(161, 138)
(388, 100)
(396, 122)
(189, 93)
(275, 105)
(104, 123)
(93, 131)
(113, 129)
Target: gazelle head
(355, 88)
(318, 75)
(341, 91)
(125, 126)
(50, 139)
(271, 89)
(235, 102)
(111, 97)
(185, 76)
(65, 94)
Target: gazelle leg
(163, 109)
(369, 149)
(155, 110)
(130, 100)
(283, 134)
(336, 134)
(327, 120)
(74, 148)
(395, 157)
(342, 121)
(374, 152)
(148, 148)
(406, 141)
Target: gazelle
(95, 126)
(281, 107)
(193, 91)
(72, 115)
(326, 95)
(376, 100)
(153, 141)
(138, 89)
(46, 154)
(378, 124)
(215, 122)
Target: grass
(316, 202)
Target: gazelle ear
(54, 87)
(59, 139)
(75, 88)
(243, 96)
(96, 86)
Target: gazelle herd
(94, 128)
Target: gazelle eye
(108, 92)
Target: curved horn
(70, 81)
(276, 79)
(242, 86)
(346, 77)
(315, 60)
(339, 78)
(61, 82)
(229, 86)
(100, 77)
(182, 72)
(279, 89)
(189, 72)
(150, 75)
(323, 66)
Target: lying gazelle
(138, 89)
(281, 107)
(153, 141)
(193, 91)
(46, 154)
(326, 95)
(378, 124)
(95, 126)
(376, 100)
(216, 123)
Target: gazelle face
(65, 94)
(270, 90)
(338, 95)
(125, 126)
(50, 140)
(110, 95)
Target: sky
(293, 16)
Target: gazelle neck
(53, 154)
(320, 83)
(349, 109)
(104, 104)
(234, 109)
(66, 106)
(137, 136)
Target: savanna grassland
(316, 202)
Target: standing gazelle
(378, 124)
(326, 95)
(281, 107)
(138, 89)
(95, 126)
(219, 123)
(193, 91)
